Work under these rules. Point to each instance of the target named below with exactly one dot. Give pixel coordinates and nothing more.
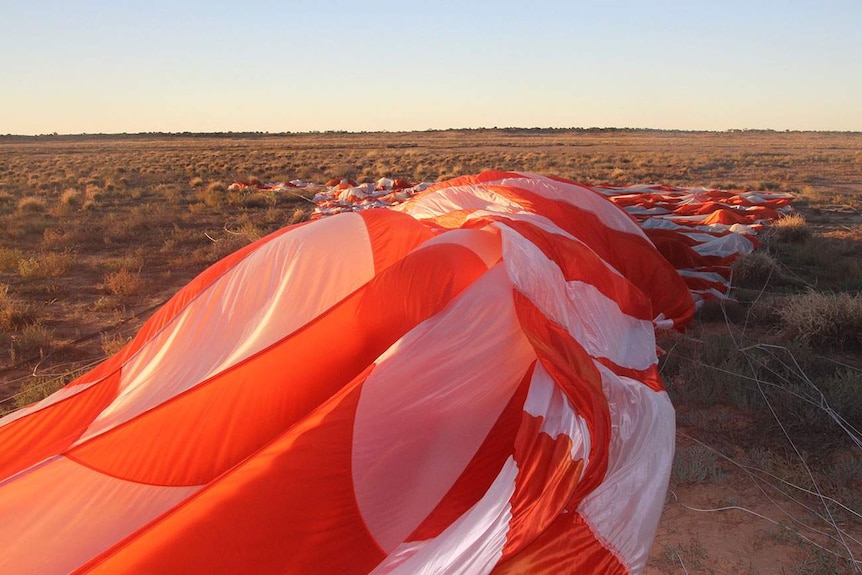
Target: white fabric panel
(743, 229)
(457, 198)
(706, 276)
(593, 319)
(472, 544)
(429, 404)
(694, 218)
(579, 196)
(537, 220)
(641, 210)
(640, 457)
(669, 224)
(764, 197)
(725, 246)
(61, 514)
(485, 243)
(275, 290)
(699, 294)
(546, 400)
(700, 237)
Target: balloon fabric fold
(466, 383)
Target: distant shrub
(6, 199)
(71, 198)
(123, 282)
(47, 264)
(214, 194)
(34, 337)
(31, 205)
(9, 258)
(13, 313)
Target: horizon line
(258, 133)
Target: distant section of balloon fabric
(466, 383)
(701, 231)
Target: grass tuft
(123, 282)
(31, 205)
(46, 265)
(755, 270)
(822, 319)
(696, 464)
(790, 229)
(13, 313)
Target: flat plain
(99, 231)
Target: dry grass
(124, 282)
(792, 228)
(46, 265)
(755, 270)
(14, 314)
(823, 320)
(99, 231)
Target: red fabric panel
(51, 430)
(573, 371)
(482, 470)
(288, 379)
(676, 248)
(388, 247)
(632, 255)
(567, 546)
(288, 509)
(547, 478)
(580, 263)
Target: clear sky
(76, 66)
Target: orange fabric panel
(388, 247)
(237, 411)
(472, 180)
(722, 216)
(573, 371)
(51, 430)
(454, 219)
(568, 541)
(288, 509)
(482, 470)
(632, 255)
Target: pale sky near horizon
(91, 66)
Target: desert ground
(99, 231)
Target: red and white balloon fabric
(701, 231)
(466, 383)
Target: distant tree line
(258, 134)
